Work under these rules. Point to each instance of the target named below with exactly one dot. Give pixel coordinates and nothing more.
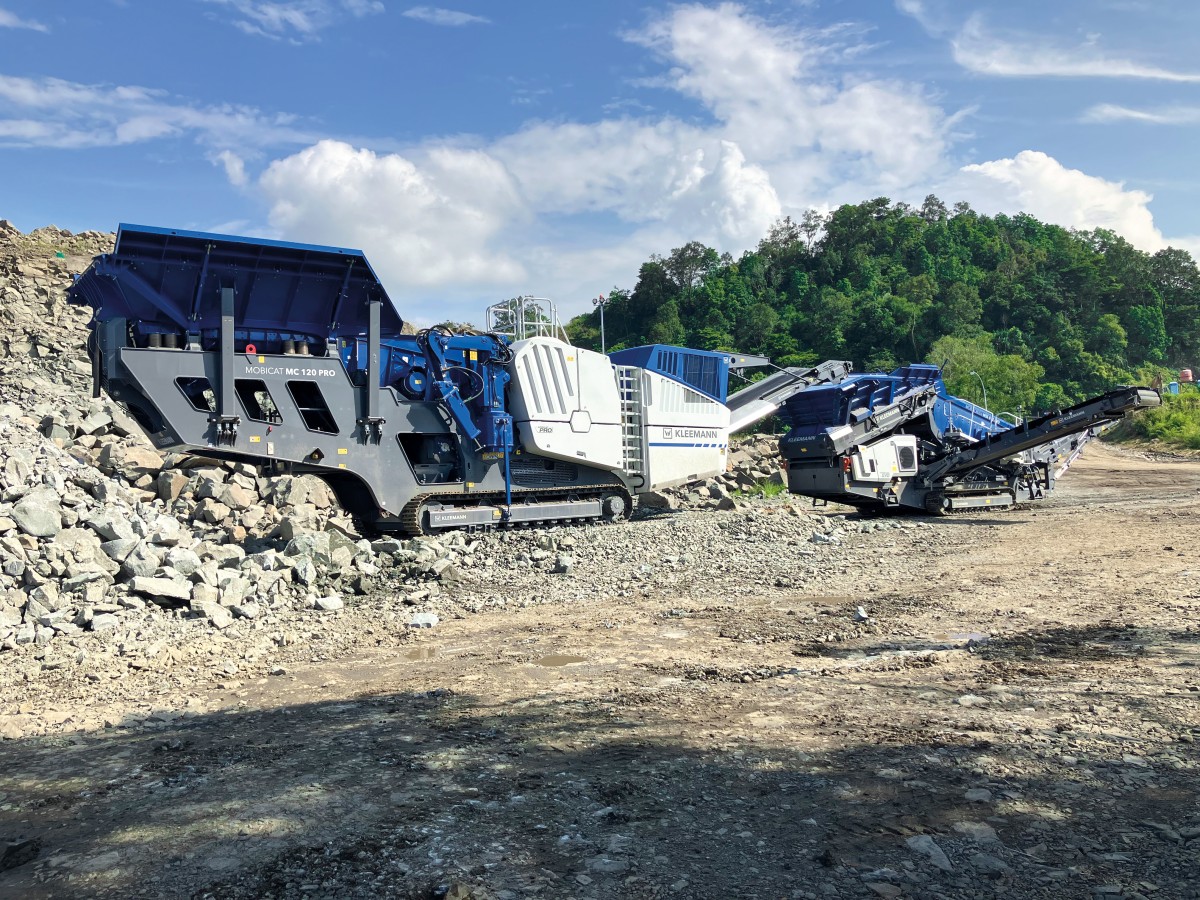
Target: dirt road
(1016, 717)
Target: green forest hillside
(1044, 315)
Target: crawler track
(412, 519)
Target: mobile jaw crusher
(293, 356)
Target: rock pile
(83, 550)
(101, 533)
(41, 336)
(754, 469)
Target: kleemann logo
(690, 434)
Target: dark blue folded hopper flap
(162, 277)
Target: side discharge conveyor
(292, 356)
(900, 441)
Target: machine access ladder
(633, 434)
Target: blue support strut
(508, 443)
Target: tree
(666, 327)
(959, 309)
(934, 210)
(881, 283)
(1108, 338)
(688, 264)
(1178, 281)
(1147, 330)
(1011, 382)
(755, 327)
(812, 223)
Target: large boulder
(131, 461)
(313, 545)
(658, 500)
(143, 559)
(294, 490)
(163, 591)
(39, 514)
(217, 615)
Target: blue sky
(486, 149)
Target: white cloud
(437, 16)
(297, 20)
(768, 102)
(432, 221)
(1167, 115)
(765, 85)
(780, 135)
(1040, 185)
(50, 112)
(235, 167)
(570, 209)
(980, 50)
(11, 20)
(917, 9)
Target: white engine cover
(565, 402)
(687, 433)
(892, 457)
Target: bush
(765, 487)
(1176, 423)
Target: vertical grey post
(97, 350)
(373, 373)
(225, 402)
(600, 301)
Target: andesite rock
(98, 529)
(159, 589)
(217, 614)
(39, 514)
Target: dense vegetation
(1176, 423)
(1040, 315)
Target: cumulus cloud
(1040, 185)
(980, 49)
(766, 85)
(434, 15)
(297, 20)
(780, 133)
(51, 112)
(772, 134)
(12, 20)
(425, 221)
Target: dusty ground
(1017, 718)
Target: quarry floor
(1016, 717)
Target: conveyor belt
(755, 402)
(1042, 429)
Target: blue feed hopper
(167, 282)
(853, 399)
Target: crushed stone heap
(103, 535)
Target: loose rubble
(214, 686)
(101, 534)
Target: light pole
(600, 301)
(983, 386)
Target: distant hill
(1035, 314)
